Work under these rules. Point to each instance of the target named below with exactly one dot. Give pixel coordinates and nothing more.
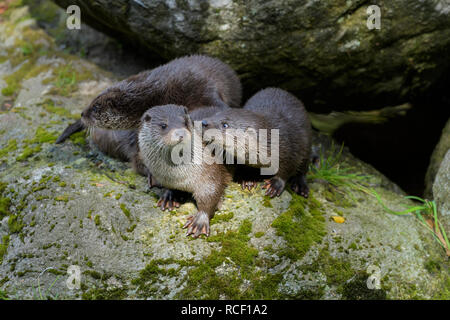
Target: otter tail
(71, 129)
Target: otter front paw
(274, 186)
(299, 186)
(168, 200)
(197, 224)
(248, 185)
(152, 182)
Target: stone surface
(302, 46)
(436, 159)
(67, 205)
(441, 190)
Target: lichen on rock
(68, 205)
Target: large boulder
(436, 159)
(441, 191)
(316, 49)
(64, 207)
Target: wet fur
(274, 108)
(206, 182)
(194, 81)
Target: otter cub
(165, 129)
(270, 108)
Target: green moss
(50, 107)
(125, 211)
(203, 281)
(266, 202)
(105, 294)
(4, 247)
(151, 274)
(222, 217)
(118, 196)
(63, 198)
(66, 77)
(259, 234)
(131, 229)
(28, 152)
(5, 202)
(79, 138)
(353, 246)
(15, 224)
(41, 136)
(97, 220)
(299, 227)
(10, 147)
(432, 266)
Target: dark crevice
(401, 148)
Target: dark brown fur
(206, 182)
(192, 81)
(274, 108)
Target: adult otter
(270, 108)
(164, 129)
(192, 81)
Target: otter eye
(225, 125)
(163, 125)
(95, 107)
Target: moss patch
(41, 136)
(10, 147)
(299, 227)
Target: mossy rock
(302, 46)
(68, 205)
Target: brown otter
(193, 81)
(270, 108)
(164, 129)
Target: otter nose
(178, 135)
(204, 123)
(83, 114)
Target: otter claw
(299, 186)
(274, 187)
(197, 225)
(248, 185)
(167, 201)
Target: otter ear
(110, 103)
(146, 117)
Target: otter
(164, 128)
(270, 108)
(193, 81)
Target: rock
(302, 46)
(436, 159)
(66, 208)
(441, 191)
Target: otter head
(229, 121)
(165, 126)
(232, 130)
(110, 110)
